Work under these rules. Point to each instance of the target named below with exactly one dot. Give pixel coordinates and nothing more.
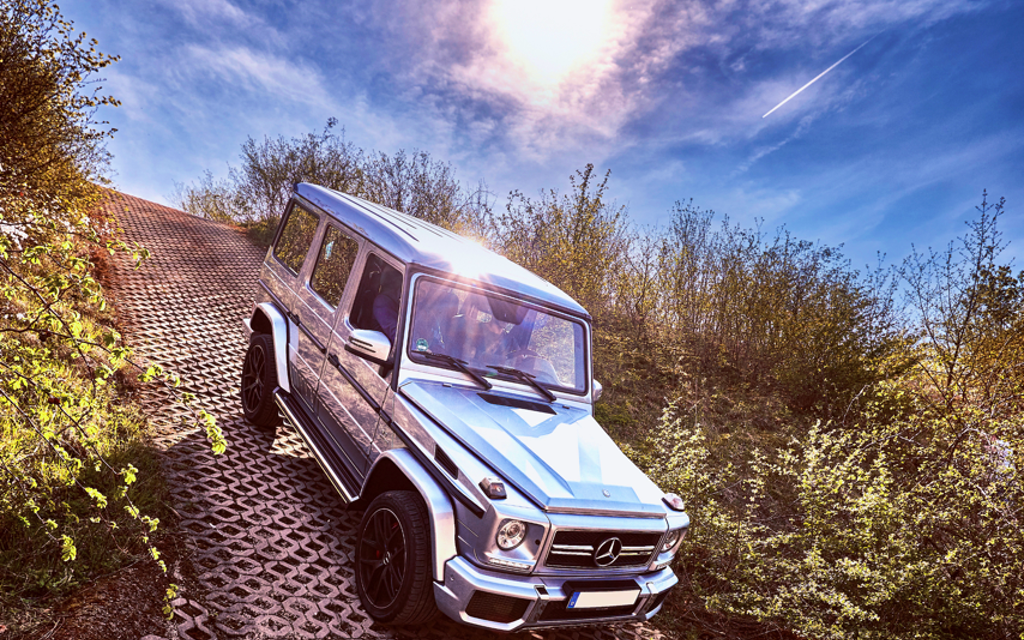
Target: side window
(378, 298)
(296, 238)
(337, 255)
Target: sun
(548, 38)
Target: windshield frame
(501, 294)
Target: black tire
(259, 379)
(392, 560)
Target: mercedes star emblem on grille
(608, 552)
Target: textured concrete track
(269, 544)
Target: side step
(323, 450)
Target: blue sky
(889, 148)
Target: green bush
(889, 530)
(256, 192)
(902, 519)
(71, 448)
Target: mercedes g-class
(449, 393)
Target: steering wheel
(531, 362)
(523, 354)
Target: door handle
(333, 359)
(294, 317)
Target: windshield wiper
(524, 377)
(458, 364)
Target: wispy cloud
(260, 72)
(200, 13)
(652, 62)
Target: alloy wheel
(382, 558)
(252, 379)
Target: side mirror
(597, 390)
(372, 345)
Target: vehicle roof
(418, 242)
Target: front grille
(576, 549)
(496, 608)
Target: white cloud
(261, 72)
(785, 23)
(200, 13)
(629, 58)
(757, 202)
(135, 94)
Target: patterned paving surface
(269, 544)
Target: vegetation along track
(268, 542)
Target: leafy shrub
(70, 447)
(889, 530)
(779, 311)
(901, 520)
(970, 311)
(50, 145)
(576, 240)
(256, 192)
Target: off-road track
(267, 542)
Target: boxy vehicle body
(449, 393)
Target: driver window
(378, 298)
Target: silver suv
(449, 393)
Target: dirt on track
(263, 543)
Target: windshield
(487, 331)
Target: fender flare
(439, 506)
(274, 323)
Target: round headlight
(672, 539)
(511, 534)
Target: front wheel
(393, 560)
(259, 379)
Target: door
(317, 304)
(293, 256)
(352, 388)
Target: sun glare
(547, 38)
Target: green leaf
(101, 500)
(68, 552)
(129, 473)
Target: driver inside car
(486, 341)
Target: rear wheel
(393, 560)
(259, 379)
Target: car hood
(557, 455)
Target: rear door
(291, 261)
(317, 304)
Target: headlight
(674, 502)
(672, 540)
(511, 534)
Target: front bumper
(507, 602)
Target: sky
(889, 148)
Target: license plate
(600, 599)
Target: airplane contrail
(818, 77)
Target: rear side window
(296, 238)
(333, 265)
